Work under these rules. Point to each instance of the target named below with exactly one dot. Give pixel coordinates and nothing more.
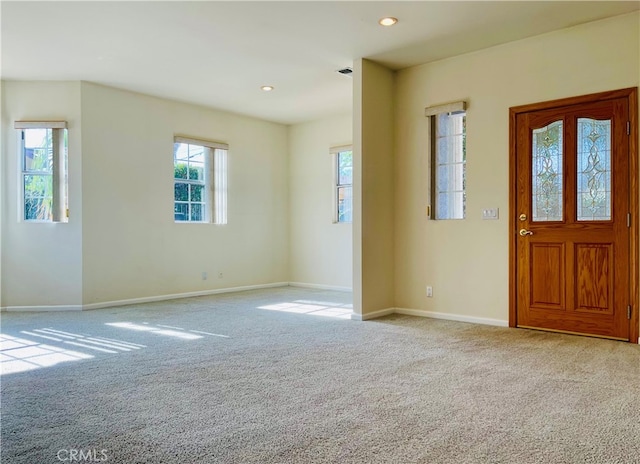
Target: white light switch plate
(490, 213)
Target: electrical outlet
(429, 291)
(204, 276)
(220, 275)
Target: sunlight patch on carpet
(21, 355)
(312, 308)
(155, 330)
(26, 354)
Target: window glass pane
(451, 138)
(180, 152)
(443, 128)
(180, 171)
(442, 178)
(451, 205)
(457, 149)
(450, 124)
(38, 150)
(450, 177)
(196, 154)
(196, 171)
(38, 209)
(345, 167)
(181, 211)
(547, 159)
(181, 191)
(38, 198)
(345, 204)
(38, 186)
(196, 211)
(594, 170)
(197, 192)
(442, 204)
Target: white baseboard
(372, 315)
(320, 286)
(148, 299)
(41, 308)
(176, 296)
(452, 317)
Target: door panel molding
(547, 292)
(593, 282)
(598, 291)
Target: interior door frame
(632, 95)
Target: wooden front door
(574, 256)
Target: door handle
(525, 232)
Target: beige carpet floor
(271, 376)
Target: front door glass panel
(594, 170)
(547, 173)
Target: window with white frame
(43, 170)
(343, 180)
(448, 160)
(200, 181)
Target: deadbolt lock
(523, 217)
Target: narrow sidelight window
(343, 188)
(448, 156)
(43, 170)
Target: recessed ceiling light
(267, 88)
(388, 21)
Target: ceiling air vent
(345, 71)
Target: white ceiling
(218, 54)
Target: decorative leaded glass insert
(547, 173)
(594, 170)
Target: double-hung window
(199, 180)
(343, 180)
(43, 170)
(448, 160)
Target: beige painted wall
(41, 263)
(319, 249)
(131, 246)
(121, 241)
(373, 221)
(466, 261)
